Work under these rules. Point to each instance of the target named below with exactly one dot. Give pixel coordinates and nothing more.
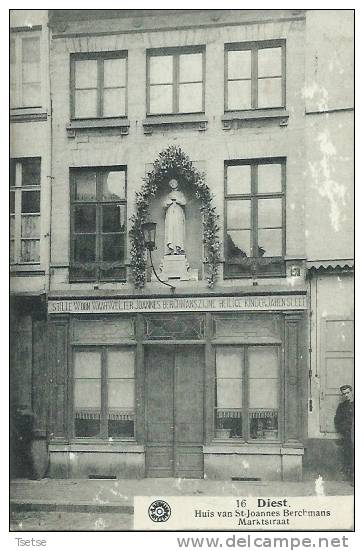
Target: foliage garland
(172, 162)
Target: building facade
(210, 376)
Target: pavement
(51, 504)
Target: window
(175, 81)
(98, 224)
(247, 398)
(254, 217)
(99, 84)
(103, 392)
(25, 76)
(25, 211)
(255, 76)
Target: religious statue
(175, 220)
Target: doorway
(174, 410)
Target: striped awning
(336, 264)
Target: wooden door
(174, 411)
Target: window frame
(98, 263)
(16, 175)
(244, 410)
(175, 52)
(254, 197)
(104, 382)
(254, 47)
(100, 57)
(18, 38)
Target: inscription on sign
(192, 304)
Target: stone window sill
(279, 114)
(89, 124)
(191, 119)
(28, 114)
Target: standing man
(344, 424)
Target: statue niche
(174, 264)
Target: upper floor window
(24, 210)
(175, 81)
(98, 85)
(254, 217)
(98, 224)
(25, 71)
(255, 75)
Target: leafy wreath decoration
(172, 162)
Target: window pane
(30, 201)
(120, 363)
(161, 99)
(269, 178)
(30, 226)
(190, 98)
(238, 179)
(270, 242)
(263, 362)
(31, 95)
(269, 62)
(87, 364)
(121, 393)
(12, 255)
(123, 428)
(85, 248)
(86, 73)
(30, 251)
(239, 94)
(190, 67)
(30, 172)
(85, 219)
(114, 72)
(85, 189)
(114, 102)
(238, 243)
(229, 393)
(85, 103)
(229, 363)
(12, 202)
(12, 226)
(114, 185)
(87, 423)
(30, 50)
(270, 92)
(113, 248)
(238, 214)
(228, 423)
(87, 393)
(263, 393)
(113, 218)
(161, 69)
(263, 424)
(269, 213)
(239, 64)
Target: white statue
(174, 229)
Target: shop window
(254, 218)
(175, 81)
(247, 393)
(104, 392)
(98, 224)
(25, 211)
(98, 85)
(25, 71)
(255, 76)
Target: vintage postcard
(182, 272)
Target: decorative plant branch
(172, 162)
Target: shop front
(189, 387)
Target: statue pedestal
(175, 266)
